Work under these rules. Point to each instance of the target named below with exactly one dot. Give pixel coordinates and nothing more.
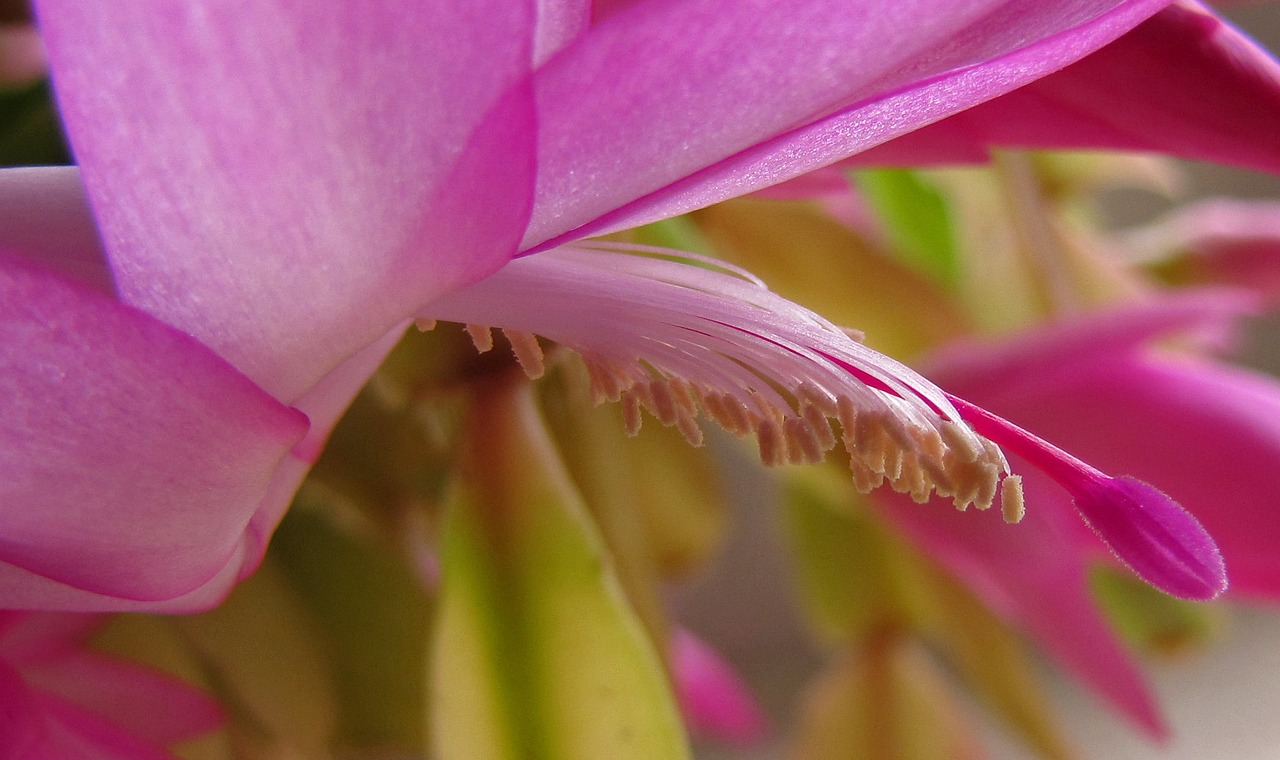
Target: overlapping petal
(133, 455)
(770, 90)
(284, 180)
(1184, 82)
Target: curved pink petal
(1185, 83)
(752, 93)
(19, 716)
(30, 636)
(286, 181)
(133, 456)
(1033, 574)
(559, 23)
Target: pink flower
(1205, 432)
(279, 190)
(58, 700)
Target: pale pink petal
(285, 180)
(1184, 83)
(134, 456)
(324, 404)
(751, 93)
(650, 315)
(714, 699)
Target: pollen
(528, 352)
(913, 454)
(678, 337)
(482, 337)
(1011, 502)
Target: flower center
(686, 337)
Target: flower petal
(1209, 435)
(147, 704)
(714, 699)
(1220, 241)
(769, 90)
(134, 456)
(286, 181)
(1185, 83)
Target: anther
(631, 414)
(772, 447)
(1012, 504)
(664, 402)
(818, 425)
(528, 353)
(803, 446)
(688, 427)
(960, 441)
(482, 337)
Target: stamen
(528, 352)
(1011, 501)
(803, 443)
(772, 447)
(631, 414)
(482, 337)
(818, 426)
(681, 341)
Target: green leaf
(373, 615)
(537, 653)
(916, 217)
